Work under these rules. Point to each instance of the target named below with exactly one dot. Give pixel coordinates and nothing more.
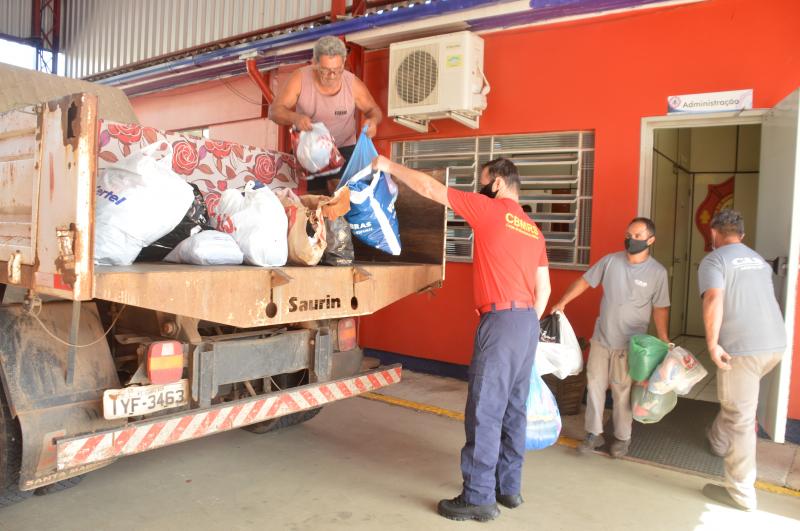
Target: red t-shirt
(508, 248)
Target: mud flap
(34, 367)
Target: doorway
(766, 176)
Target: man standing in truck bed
(511, 285)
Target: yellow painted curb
(562, 441)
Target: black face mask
(635, 246)
(487, 191)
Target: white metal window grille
(556, 171)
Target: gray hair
(728, 221)
(329, 45)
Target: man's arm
(712, 318)
(281, 111)
(661, 318)
(423, 184)
(575, 290)
(542, 289)
(365, 103)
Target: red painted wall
(603, 74)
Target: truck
(100, 362)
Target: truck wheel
(282, 422)
(10, 456)
(58, 486)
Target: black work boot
(459, 509)
(512, 501)
(591, 443)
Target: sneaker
(721, 495)
(512, 501)
(619, 448)
(591, 443)
(459, 509)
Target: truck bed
(47, 227)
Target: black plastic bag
(196, 219)
(339, 251)
(549, 329)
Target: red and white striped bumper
(151, 434)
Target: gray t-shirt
(629, 293)
(751, 318)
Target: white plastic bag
(316, 151)
(562, 358)
(257, 222)
(679, 372)
(209, 247)
(138, 201)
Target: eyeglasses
(330, 72)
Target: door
(680, 262)
(777, 235)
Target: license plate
(143, 400)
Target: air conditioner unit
(437, 77)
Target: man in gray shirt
(746, 338)
(635, 286)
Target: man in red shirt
(511, 285)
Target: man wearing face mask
(635, 286)
(511, 284)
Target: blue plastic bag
(372, 216)
(544, 420)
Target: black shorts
(319, 185)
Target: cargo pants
(733, 432)
(495, 416)
(608, 368)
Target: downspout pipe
(255, 75)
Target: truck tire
(10, 456)
(58, 486)
(282, 422)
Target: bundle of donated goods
(145, 211)
(661, 371)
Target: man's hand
(302, 123)
(720, 357)
(381, 163)
(558, 307)
(372, 127)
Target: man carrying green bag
(635, 286)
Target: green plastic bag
(645, 354)
(648, 407)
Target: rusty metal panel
(66, 197)
(19, 182)
(246, 297)
(102, 35)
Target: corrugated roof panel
(102, 35)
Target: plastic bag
(209, 247)
(257, 222)
(372, 216)
(679, 372)
(139, 200)
(339, 250)
(316, 151)
(306, 233)
(646, 352)
(544, 421)
(563, 357)
(649, 407)
(195, 220)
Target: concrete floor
(363, 464)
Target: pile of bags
(662, 372)
(558, 353)
(147, 212)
